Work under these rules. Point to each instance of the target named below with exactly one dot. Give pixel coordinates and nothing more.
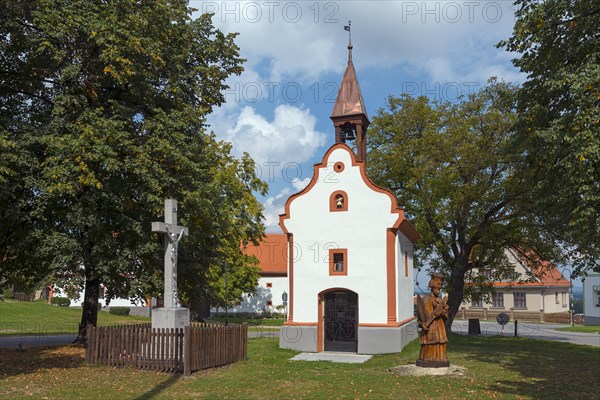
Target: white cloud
(274, 206)
(300, 184)
(302, 40)
(290, 137)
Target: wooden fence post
(187, 351)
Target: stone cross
(173, 234)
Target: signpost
(284, 297)
(502, 319)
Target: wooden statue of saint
(432, 311)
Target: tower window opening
(338, 201)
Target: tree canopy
(104, 105)
(453, 166)
(558, 47)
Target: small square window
(269, 303)
(520, 300)
(338, 262)
(498, 300)
(269, 284)
(477, 303)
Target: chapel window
(338, 262)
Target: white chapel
(350, 249)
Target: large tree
(558, 47)
(453, 166)
(105, 103)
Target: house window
(519, 300)
(269, 284)
(598, 299)
(338, 262)
(338, 201)
(477, 303)
(556, 297)
(564, 299)
(498, 300)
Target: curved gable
(323, 173)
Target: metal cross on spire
(348, 28)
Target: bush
(8, 293)
(60, 301)
(267, 312)
(119, 310)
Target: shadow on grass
(156, 391)
(535, 369)
(30, 360)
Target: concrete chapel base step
(338, 357)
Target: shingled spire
(349, 114)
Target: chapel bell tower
(349, 114)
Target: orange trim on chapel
(291, 276)
(391, 275)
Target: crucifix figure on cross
(173, 234)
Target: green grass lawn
(37, 317)
(498, 367)
(582, 329)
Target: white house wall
(259, 301)
(591, 300)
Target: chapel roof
(349, 100)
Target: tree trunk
(89, 314)
(455, 295)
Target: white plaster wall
(361, 230)
(118, 302)
(404, 299)
(257, 302)
(590, 295)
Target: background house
(272, 256)
(531, 294)
(591, 298)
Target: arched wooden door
(340, 321)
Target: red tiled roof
(272, 254)
(544, 271)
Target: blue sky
(278, 109)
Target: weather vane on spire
(347, 28)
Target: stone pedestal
(168, 318)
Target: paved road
(530, 330)
(534, 331)
(36, 340)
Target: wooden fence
(522, 316)
(24, 296)
(196, 347)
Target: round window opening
(338, 166)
